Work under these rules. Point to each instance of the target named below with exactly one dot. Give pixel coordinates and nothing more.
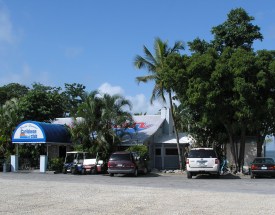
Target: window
(158, 152)
(202, 154)
(171, 151)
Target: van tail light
(253, 167)
(109, 164)
(217, 161)
(187, 161)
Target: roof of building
(184, 138)
(145, 127)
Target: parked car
(74, 162)
(124, 162)
(92, 165)
(262, 166)
(202, 161)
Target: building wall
(250, 152)
(164, 156)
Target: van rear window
(202, 154)
(124, 157)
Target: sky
(94, 42)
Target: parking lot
(155, 193)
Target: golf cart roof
(76, 152)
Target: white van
(202, 161)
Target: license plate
(119, 165)
(264, 167)
(202, 163)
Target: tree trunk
(176, 130)
(260, 142)
(233, 144)
(242, 149)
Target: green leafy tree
(43, 103)
(12, 90)
(237, 31)
(155, 64)
(74, 94)
(10, 117)
(223, 84)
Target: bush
(56, 164)
(141, 149)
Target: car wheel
(136, 173)
(189, 175)
(111, 174)
(83, 171)
(74, 170)
(93, 171)
(64, 171)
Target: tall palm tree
(114, 110)
(100, 113)
(155, 63)
(113, 113)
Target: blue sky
(94, 42)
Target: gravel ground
(43, 196)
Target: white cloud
(140, 103)
(111, 90)
(6, 28)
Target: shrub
(56, 164)
(141, 149)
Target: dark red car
(124, 162)
(262, 166)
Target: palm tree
(10, 117)
(100, 113)
(114, 110)
(155, 63)
(83, 133)
(113, 113)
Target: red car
(126, 163)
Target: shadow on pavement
(227, 176)
(148, 175)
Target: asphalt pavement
(155, 193)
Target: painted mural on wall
(130, 135)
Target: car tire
(64, 171)
(111, 174)
(189, 175)
(74, 170)
(83, 171)
(93, 171)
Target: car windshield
(115, 157)
(202, 154)
(264, 160)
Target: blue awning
(40, 132)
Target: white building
(156, 132)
